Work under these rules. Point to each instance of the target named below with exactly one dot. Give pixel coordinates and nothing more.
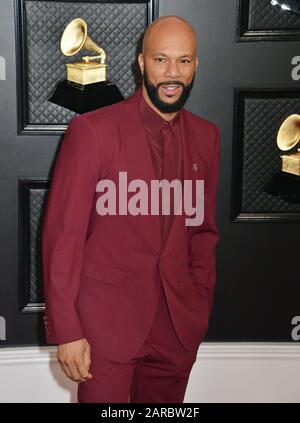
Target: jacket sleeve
(64, 229)
(204, 237)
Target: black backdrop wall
(245, 83)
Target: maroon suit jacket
(102, 273)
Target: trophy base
(291, 163)
(85, 98)
(284, 185)
(86, 72)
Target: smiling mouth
(170, 89)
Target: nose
(172, 70)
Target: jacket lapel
(140, 167)
(139, 164)
(178, 227)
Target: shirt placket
(170, 163)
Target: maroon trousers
(159, 371)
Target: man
(129, 295)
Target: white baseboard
(223, 372)
(245, 372)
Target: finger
(87, 361)
(83, 370)
(72, 367)
(65, 369)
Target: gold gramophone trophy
(288, 137)
(86, 87)
(286, 183)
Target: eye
(160, 59)
(185, 61)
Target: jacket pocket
(102, 273)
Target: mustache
(170, 83)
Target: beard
(162, 106)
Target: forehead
(172, 41)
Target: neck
(166, 116)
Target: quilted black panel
(264, 16)
(117, 27)
(260, 154)
(37, 202)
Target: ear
(141, 62)
(197, 63)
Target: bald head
(166, 26)
(168, 63)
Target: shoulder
(207, 135)
(105, 119)
(101, 116)
(207, 127)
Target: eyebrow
(163, 54)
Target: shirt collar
(152, 120)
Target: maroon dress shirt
(166, 152)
